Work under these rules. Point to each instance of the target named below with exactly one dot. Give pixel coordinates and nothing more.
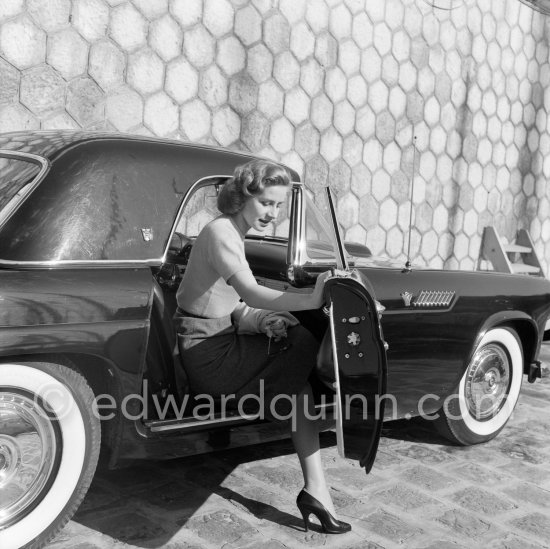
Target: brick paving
(422, 493)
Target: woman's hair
(248, 180)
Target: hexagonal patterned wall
(361, 94)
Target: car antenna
(408, 267)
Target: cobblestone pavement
(422, 493)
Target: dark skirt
(246, 370)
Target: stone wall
(338, 89)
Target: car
(95, 233)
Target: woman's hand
(276, 328)
(275, 324)
(317, 296)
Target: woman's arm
(261, 297)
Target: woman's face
(260, 210)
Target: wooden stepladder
(517, 258)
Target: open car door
(359, 357)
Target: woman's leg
(305, 437)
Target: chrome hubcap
(488, 381)
(28, 447)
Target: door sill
(217, 420)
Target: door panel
(359, 367)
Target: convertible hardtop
(102, 197)
(52, 143)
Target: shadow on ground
(146, 504)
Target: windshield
(15, 174)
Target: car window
(198, 211)
(280, 227)
(201, 208)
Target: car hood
(380, 262)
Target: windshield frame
(302, 269)
(19, 197)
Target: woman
(220, 338)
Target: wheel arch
(463, 418)
(101, 375)
(525, 327)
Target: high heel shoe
(307, 505)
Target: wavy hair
(249, 180)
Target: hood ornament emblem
(407, 298)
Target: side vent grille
(428, 298)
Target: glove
(254, 321)
(275, 324)
(247, 319)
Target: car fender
(523, 324)
(98, 320)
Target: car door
(359, 361)
(358, 348)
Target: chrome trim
(296, 230)
(339, 411)
(81, 262)
(298, 258)
(44, 164)
(341, 259)
(161, 426)
(407, 298)
(434, 298)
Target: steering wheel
(179, 249)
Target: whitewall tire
(49, 446)
(488, 392)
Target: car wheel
(49, 447)
(487, 393)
